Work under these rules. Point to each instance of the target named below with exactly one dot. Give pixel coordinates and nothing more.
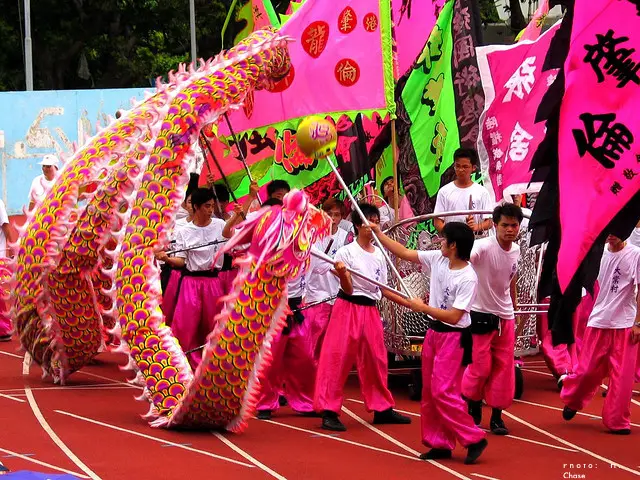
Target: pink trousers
(491, 375)
(196, 308)
(170, 297)
(318, 319)
(5, 320)
(638, 367)
(354, 335)
(605, 352)
(293, 365)
(563, 359)
(443, 414)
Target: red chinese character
(248, 105)
(347, 72)
(347, 20)
(314, 38)
(370, 22)
(288, 154)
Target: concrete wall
(33, 124)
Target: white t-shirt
(4, 218)
(495, 269)
(371, 265)
(39, 187)
(297, 286)
(201, 258)
(634, 239)
(321, 283)
(451, 198)
(619, 275)
(449, 288)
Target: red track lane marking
(9, 397)
(42, 464)
(506, 436)
(246, 455)
(541, 405)
(338, 439)
(155, 439)
(606, 387)
(47, 428)
(400, 444)
(572, 445)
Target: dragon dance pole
(375, 237)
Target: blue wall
(33, 124)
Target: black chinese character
(615, 138)
(259, 142)
(629, 173)
(617, 62)
(615, 281)
(616, 188)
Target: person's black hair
(507, 210)
(369, 211)
(271, 202)
(461, 235)
(194, 178)
(221, 192)
(469, 153)
(200, 196)
(384, 182)
(276, 185)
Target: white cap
(50, 160)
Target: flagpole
(396, 192)
(192, 22)
(28, 56)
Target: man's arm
(394, 247)
(8, 233)
(396, 298)
(452, 317)
(345, 278)
(439, 224)
(514, 291)
(635, 330)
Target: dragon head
(281, 237)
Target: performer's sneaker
(264, 414)
(623, 431)
(4, 470)
(330, 421)
(5, 338)
(390, 416)
(475, 450)
(436, 454)
(475, 410)
(498, 427)
(568, 413)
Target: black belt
(357, 299)
(296, 316)
(466, 338)
(483, 323)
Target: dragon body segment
(83, 269)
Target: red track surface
(96, 419)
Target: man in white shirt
(491, 374)
(610, 344)
(355, 333)
(42, 183)
(447, 345)
(463, 194)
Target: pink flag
(599, 132)
(413, 21)
(533, 30)
(342, 63)
(514, 84)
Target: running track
(92, 428)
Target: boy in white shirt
(463, 194)
(5, 237)
(43, 183)
(321, 283)
(610, 344)
(355, 334)
(491, 374)
(447, 344)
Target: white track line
(109, 386)
(546, 374)
(244, 454)
(483, 476)
(507, 436)
(572, 445)
(9, 397)
(606, 387)
(11, 355)
(155, 439)
(560, 409)
(400, 444)
(338, 439)
(110, 379)
(42, 464)
(47, 428)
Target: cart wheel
(519, 383)
(415, 387)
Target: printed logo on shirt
(445, 299)
(615, 280)
(377, 274)
(514, 268)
